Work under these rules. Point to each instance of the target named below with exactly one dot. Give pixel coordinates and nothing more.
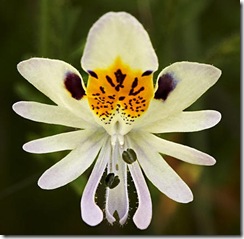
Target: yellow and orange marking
(119, 90)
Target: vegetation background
(194, 30)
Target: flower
(118, 114)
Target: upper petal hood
(118, 34)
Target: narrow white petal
(184, 122)
(74, 164)
(143, 214)
(90, 212)
(59, 142)
(118, 34)
(50, 114)
(159, 172)
(179, 151)
(178, 86)
(58, 80)
(117, 198)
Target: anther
(112, 181)
(129, 156)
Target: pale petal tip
(21, 65)
(141, 223)
(211, 161)
(218, 116)
(186, 198)
(215, 73)
(42, 185)
(15, 107)
(31, 147)
(123, 220)
(92, 218)
(20, 108)
(205, 160)
(213, 117)
(218, 71)
(46, 184)
(26, 148)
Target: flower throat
(119, 93)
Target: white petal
(55, 143)
(74, 164)
(182, 152)
(143, 214)
(118, 34)
(50, 114)
(90, 212)
(185, 83)
(159, 172)
(117, 198)
(49, 77)
(184, 122)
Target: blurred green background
(195, 30)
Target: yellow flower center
(119, 91)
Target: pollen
(119, 90)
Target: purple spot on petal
(73, 84)
(93, 74)
(135, 83)
(166, 84)
(121, 98)
(119, 76)
(147, 73)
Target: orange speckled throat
(119, 91)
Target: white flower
(117, 114)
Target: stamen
(129, 156)
(115, 139)
(112, 181)
(113, 167)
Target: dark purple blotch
(121, 98)
(119, 76)
(135, 83)
(166, 84)
(93, 74)
(73, 84)
(147, 73)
